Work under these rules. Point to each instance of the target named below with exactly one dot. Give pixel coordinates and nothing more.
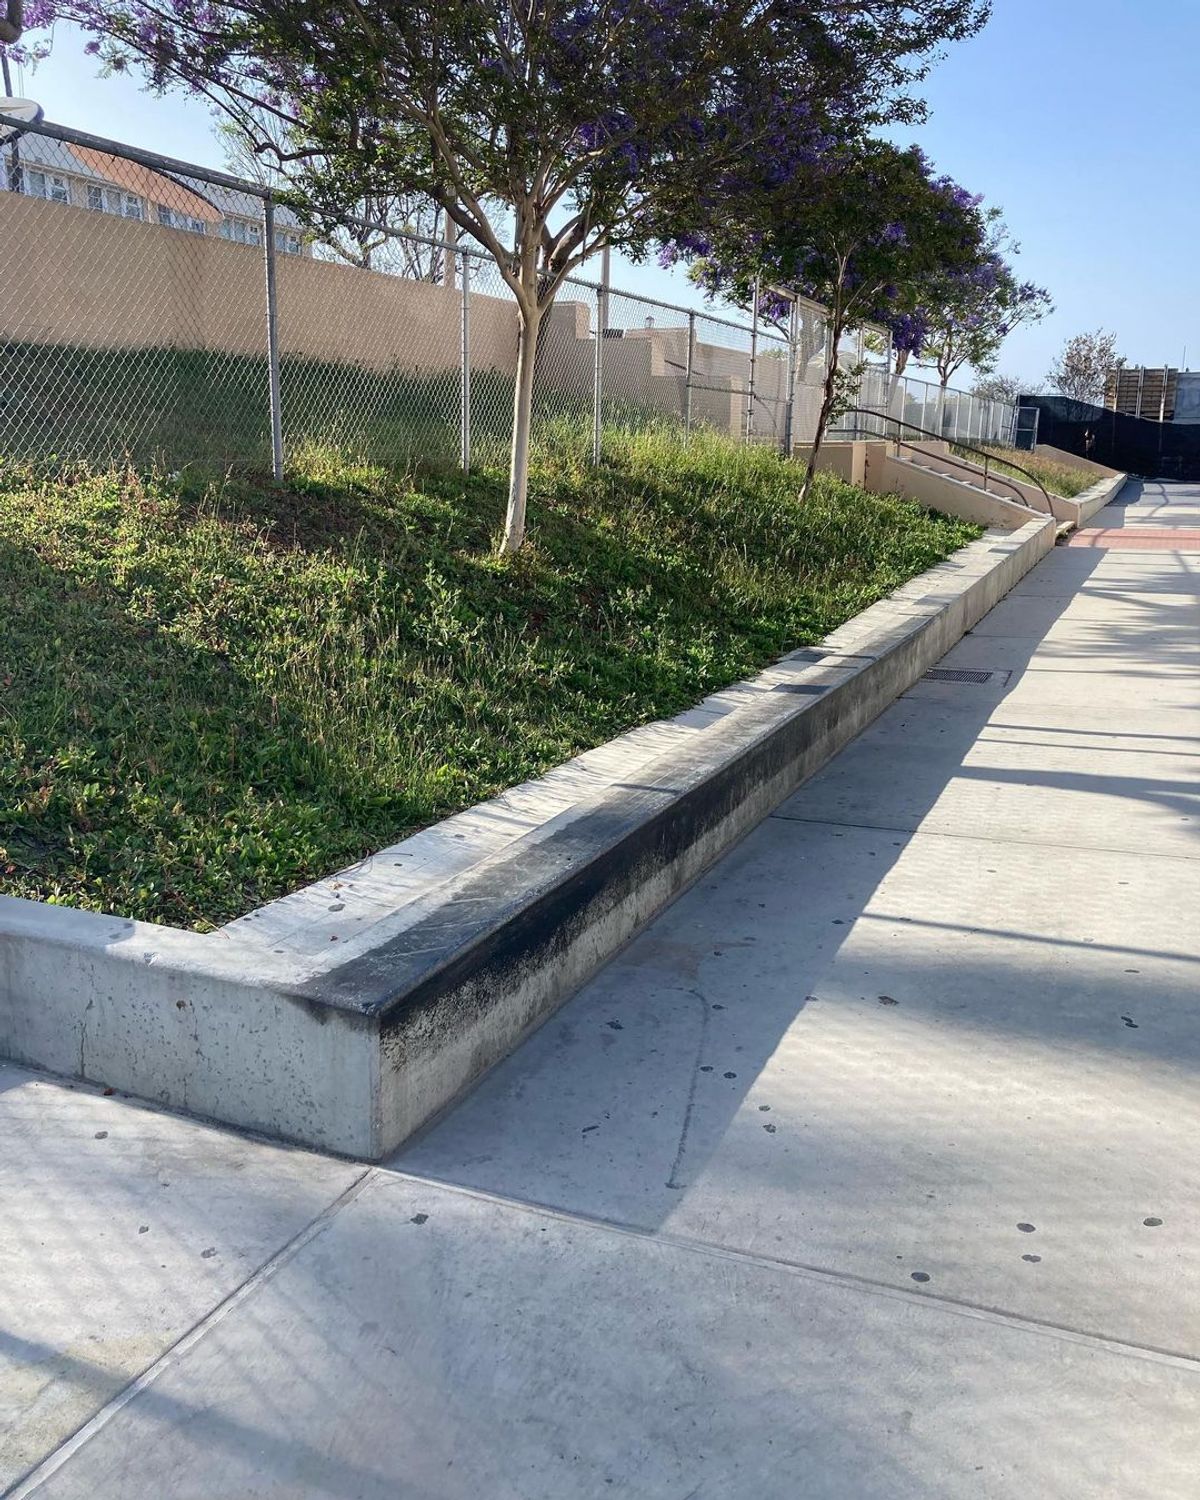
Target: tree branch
(12, 23)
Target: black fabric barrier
(1154, 450)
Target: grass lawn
(1057, 478)
(214, 692)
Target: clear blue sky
(1076, 116)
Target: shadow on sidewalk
(623, 1095)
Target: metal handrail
(988, 458)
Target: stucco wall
(76, 277)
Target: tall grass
(215, 690)
(62, 404)
(1058, 478)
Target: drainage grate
(949, 674)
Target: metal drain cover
(953, 674)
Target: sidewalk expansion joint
(32, 1481)
(955, 1306)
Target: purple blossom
(774, 306)
(909, 331)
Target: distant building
(63, 172)
(1163, 394)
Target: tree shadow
(1152, 502)
(625, 1104)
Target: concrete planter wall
(347, 1014)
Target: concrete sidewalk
(868, 1170)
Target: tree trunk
(941, 407)
(828, 394)
(518, 483)
(893, 385)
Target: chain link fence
(151, 310)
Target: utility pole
(598, 354)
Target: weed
(214, 689)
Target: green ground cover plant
(214, 690)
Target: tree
(21, 16)
(861, 232)
(970, 312)
(909, 331)
(575, 115)
(377, 233)
(1006, 388)
(1081, 369)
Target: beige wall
(847, 460)
(78, 277)
(383, 322)
(72, 276)
(647, 367)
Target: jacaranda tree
(969, 312)
(573, 116)
(21, 16)
(862, 232)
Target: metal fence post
(687, 377)
(14, 170)
(598, 361)
(464, 360)
(273, 338)
(753, 367)
(789, 411)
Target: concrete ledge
(347, 1014)
(1071, 512)
(1102, 493)
(1011, 488)
(1074, 511)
